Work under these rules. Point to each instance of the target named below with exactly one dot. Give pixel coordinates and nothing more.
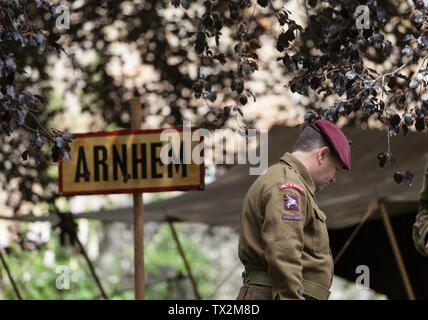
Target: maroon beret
(336, 139)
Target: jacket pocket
(320, 241)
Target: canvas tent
(344, 202)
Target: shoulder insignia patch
(291, 202)
(293, 186)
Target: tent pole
(396, 250)
(186, 263)
(15, 288)
(356, 230)
(91, 267)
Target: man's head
(324, 150)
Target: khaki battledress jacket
(420, 228)
(283, 234)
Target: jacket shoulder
(278, 175)
(273, 176)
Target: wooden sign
(127, 161)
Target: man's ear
(324, 152)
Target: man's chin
(321, 187)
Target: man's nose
(333, 179)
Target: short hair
(310, 139)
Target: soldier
(283, 241)
(420, 228)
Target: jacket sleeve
(420, 227)
(282, 238)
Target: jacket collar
(300, 169)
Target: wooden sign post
(130, 161)
(138, 216)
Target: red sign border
(139, 190)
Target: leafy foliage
(26, 28)
(331, 57)
(27, 38)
